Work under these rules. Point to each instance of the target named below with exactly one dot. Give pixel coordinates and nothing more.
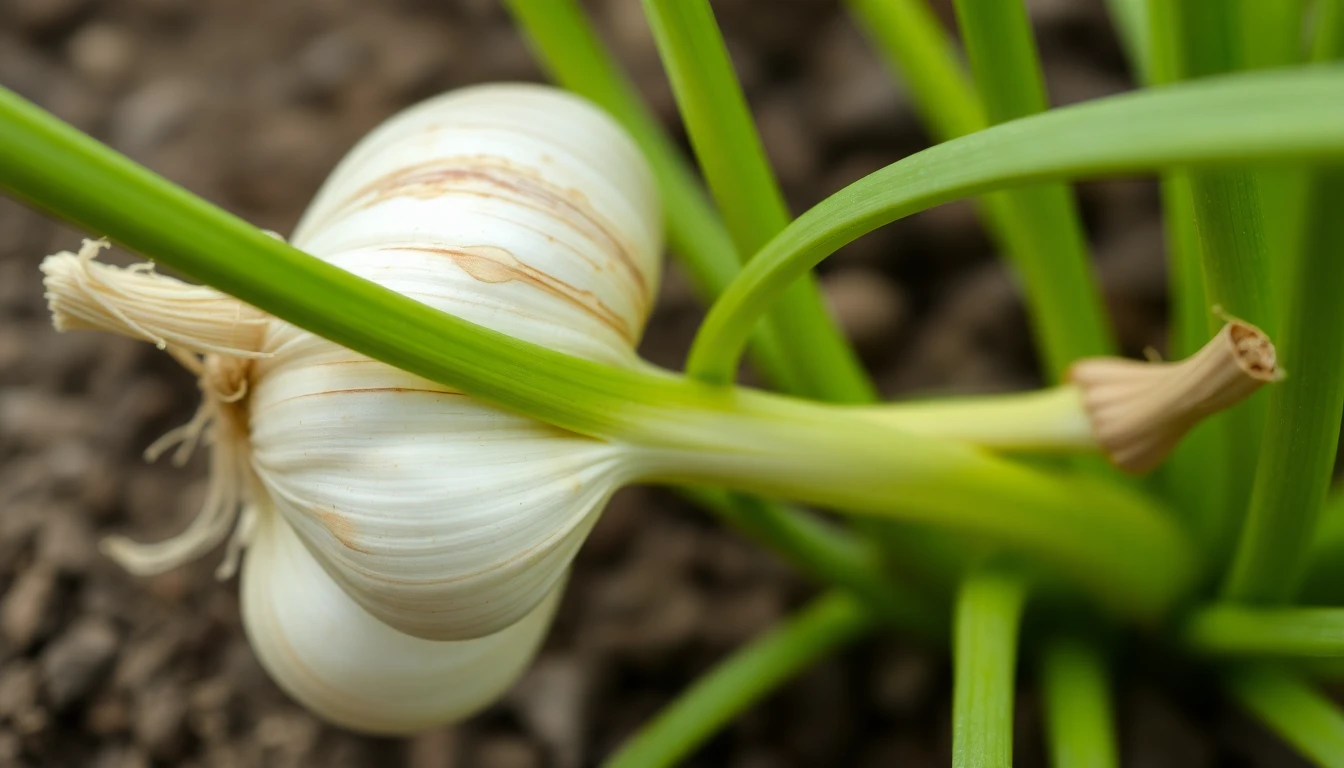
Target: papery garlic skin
(355, 671)
(521, 208)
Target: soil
(249, 104)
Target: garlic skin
(521, 208)
(355, 671)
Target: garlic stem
(1134, 412)
(1048, 420)
(1118, 545)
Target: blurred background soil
(250, 103)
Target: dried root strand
(1140, 411)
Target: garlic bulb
(354, 670)
(408, 542)
(517, 207)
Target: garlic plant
(408, 542)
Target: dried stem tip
(136, 301)
(1140, 411)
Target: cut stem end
(1140, 411)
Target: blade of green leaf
(1079, 720)
(924, 58)
(1130, 20)
(1292, 709)
(1271, 33)
(1234, 630)
(1205, 37)
(1056, 269)
(1297, 458)
(1300, 116)
(739, 176)
(1302, 436)
(984, 659)
(566, 44)
(742, 680)
(1206, 451)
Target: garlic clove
(351, 669)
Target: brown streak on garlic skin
(510, 183)
(341, 528)
(1140, 411)
(491, 264)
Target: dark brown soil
(250, 103)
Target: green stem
(1045, 420)
(1291, 708)
(924, 59)
(845, 459)
(1056, 268)
(1271, 33)
(984, 657)
(1297, 459)
(1130, 19)
(742, 680)
(1078, 710)
(1298, 455)
(1233, 630)
(571, 51)
(1203, 38)
(1207, 451)
(1200, 124)
(739, 176)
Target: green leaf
(1235, 630)
(1292, 709)
(984, 658)
(1297, 457)
(1299, 115)
(1130, 19)
(1203, 38)
(1078, 713)
(1207, 451)
(742, 680)
(739, 175)
(1054, 262)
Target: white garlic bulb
(520, 208)
(409, 542)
